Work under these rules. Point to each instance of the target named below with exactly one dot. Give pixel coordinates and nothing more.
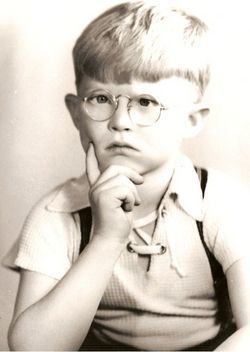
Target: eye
(147, 102)
(144, 102)
(98, 99)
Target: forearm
(239, 341)
(61, 319)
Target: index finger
(92, 168)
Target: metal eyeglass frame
(116, 101)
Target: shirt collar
(71, 196)
(184, 190)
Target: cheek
(90, 132)
(166, 136)
(85, 142)
(85, 135)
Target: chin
(140, 166)
(118, 160)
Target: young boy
(140, 277)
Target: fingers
(92, 168)
(127, 199)
(119, 181)
(116, 170)
(128, 203)
(115, 197)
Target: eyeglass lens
(143, 110)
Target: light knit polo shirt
(171, 304)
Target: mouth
(121, 147)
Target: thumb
(92, 168)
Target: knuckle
(125, 189)
(102, 196)
(123, 179)
(129, 194)
(94, 194)
(111, 168)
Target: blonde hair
(143, 41)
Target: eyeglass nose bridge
(116, 99)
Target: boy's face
(121, 141)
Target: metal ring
(163, 248)
(129, 248)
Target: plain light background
(39, 147)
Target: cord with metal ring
(157, 249)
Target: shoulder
(50, 235)
(226, 217)
(54, 210)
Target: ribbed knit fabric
(171, 305)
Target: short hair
(145, 41)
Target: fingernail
(139, 180)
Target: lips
(120, 146)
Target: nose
(120, 120)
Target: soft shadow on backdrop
(39, 147)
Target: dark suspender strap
(204, 174)
(86, 222)
(220, 283)
(216, 268)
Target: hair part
(144, 41)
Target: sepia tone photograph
(124, 175)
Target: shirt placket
(159, 236)
(162, 235)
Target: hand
(113, 195)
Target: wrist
(112, 234)
(109, 242)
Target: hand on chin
(122, 161)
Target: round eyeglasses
(144, 110)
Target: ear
(196, 120)
(72, 103)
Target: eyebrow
(89, 91)
(146, 95)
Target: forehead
(172, 89)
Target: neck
(153, 189)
